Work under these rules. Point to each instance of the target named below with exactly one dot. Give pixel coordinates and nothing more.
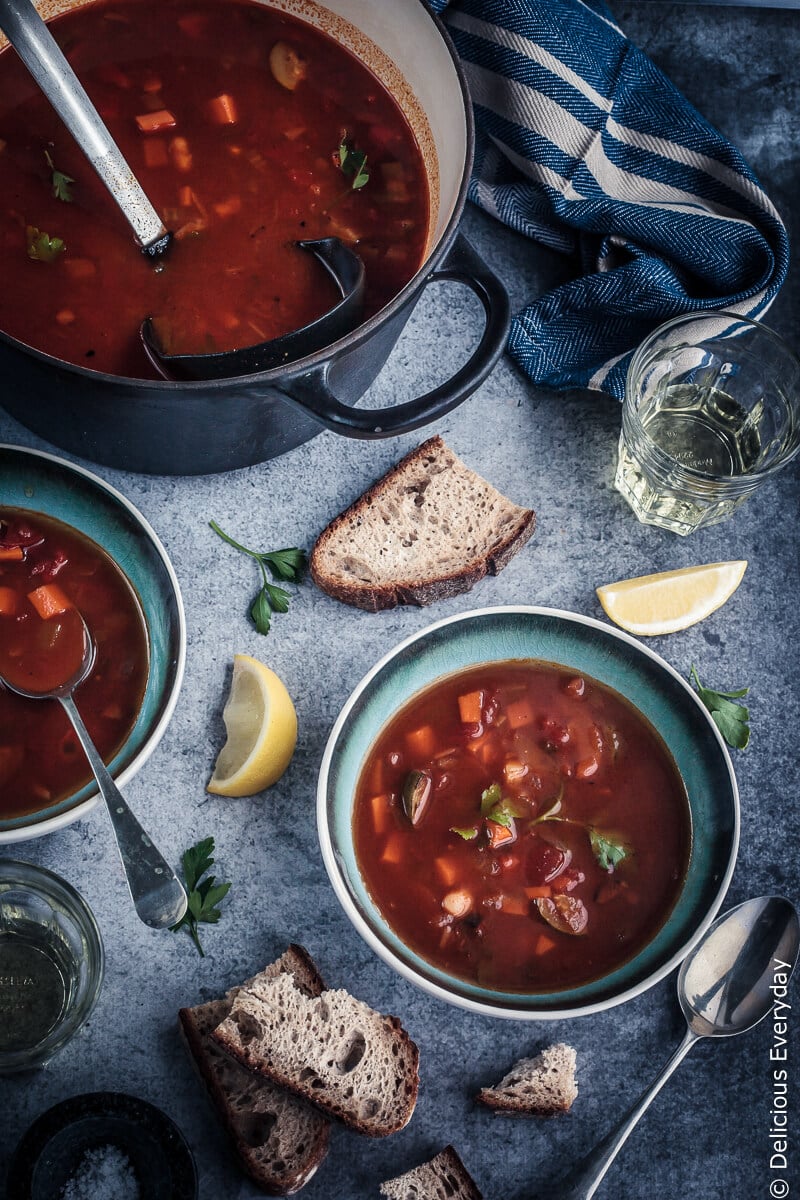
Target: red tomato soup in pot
(522, 827)
(50, 576)
(249, 130)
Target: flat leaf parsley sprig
(729, 717)
(286, 565)
(203, 895)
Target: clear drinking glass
(711, 411)
(51, 964)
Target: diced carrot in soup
(152, 122)
(381, 814)
(422, 741)
(470, 707)
(9, 602)
(49, 601)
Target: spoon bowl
(724, 988)
(158, 895)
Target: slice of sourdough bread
(442, 1178)
(540, 1086)
(355, 1064)
(278, 1140)
(428, 530)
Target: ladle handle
(585, 1178)
(36, 46)
(158, 895)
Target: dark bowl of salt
(103, 1146)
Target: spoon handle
(584, 1179)
(36, 46)
(158, 895)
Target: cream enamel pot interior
(218, 425)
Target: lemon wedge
(261, 724)
(671, 600)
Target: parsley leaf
(608, 853)
(499, 808)
(731, 719)
(203, 894)
(41, 247)
(61, 182)
(287, 565)
(353, 164)
(467, 832)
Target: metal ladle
(345, 269)
(158, 895)
(38, 49)
(723, 989)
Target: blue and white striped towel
(584, 144)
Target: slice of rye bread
(278, 1139)
(355, 1064)
(442, 1178)
(541, 1086)
(428, 530)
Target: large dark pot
(202, 427)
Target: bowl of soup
(252, 127)
(72, 544)
(527, 813)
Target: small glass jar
(51, 964)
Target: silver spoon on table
(36, 46)
(158, 895)
(723, 989)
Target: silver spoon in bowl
(158, 895)
(723, 989)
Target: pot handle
(463, 264)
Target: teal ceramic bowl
(46, 484)
(614, 659)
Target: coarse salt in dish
(104, 1173)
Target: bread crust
(241, 1099)
(442, 1176)
(422, 591)
(543, 1086)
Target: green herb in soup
(249, 130)
(522, 827)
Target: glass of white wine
(711, 411)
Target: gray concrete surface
(707, 1136)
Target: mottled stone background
(706, 1137)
